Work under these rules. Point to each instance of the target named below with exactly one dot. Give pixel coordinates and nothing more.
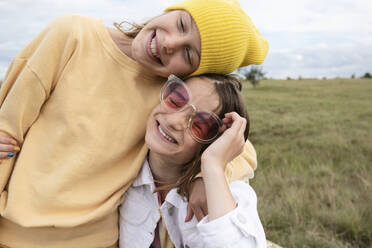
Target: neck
(163, 169)
(123, 42)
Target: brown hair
(228, 88)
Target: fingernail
(10, 154)
(17, 148)
(13, 142)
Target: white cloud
(307, 37)
(322, 59)
(311, 15)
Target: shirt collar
(145, 176)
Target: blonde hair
(131, 29)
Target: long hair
(228, 88)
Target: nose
(172, 43)
(179, 121)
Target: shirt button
(241, 218)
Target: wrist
(213, 168)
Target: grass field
(314, 144)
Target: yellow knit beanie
(229, 39)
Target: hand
(8, 146)
(197, 201)
(229, 145)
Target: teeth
(166, 136)
(153, 48)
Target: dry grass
(314, 145)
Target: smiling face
(167, 132)
(169, 44)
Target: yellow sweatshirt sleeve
(243, 166)
(29, 81)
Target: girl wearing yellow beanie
(76, 100)
(228, 38)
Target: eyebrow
(191, 21)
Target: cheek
(151, 120)
(178, 66)
(191, 146)
(136, 48)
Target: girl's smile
(168, 44)
(153, 49)
(165, 134)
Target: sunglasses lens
(175, 95)
(205, 126)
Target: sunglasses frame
(174, 79)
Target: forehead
(203, 93)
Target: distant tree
(289, 78)
(254, 75)
(299, 77)
(353, 75)
(367, 75)
(324, 78)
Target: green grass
(314, 145)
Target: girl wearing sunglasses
(200, 125)
(77, 99)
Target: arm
(213, 164)
(29, 82)
(240, 227)
(233, 219)
(242, 167)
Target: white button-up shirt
(139, 215)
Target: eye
(188, 55)
(173, 101)
(197, 130)
(182, 25)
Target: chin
(154, 144)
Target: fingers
(7, 140)
(198, 213)
(8, 151)
(237, 123)
(4, 155)
(9, 148)
(189, 214)
(243, 126)
(222, 128)
(197, 205)
(204, 209)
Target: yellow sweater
(79, 108)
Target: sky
(307, 38)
